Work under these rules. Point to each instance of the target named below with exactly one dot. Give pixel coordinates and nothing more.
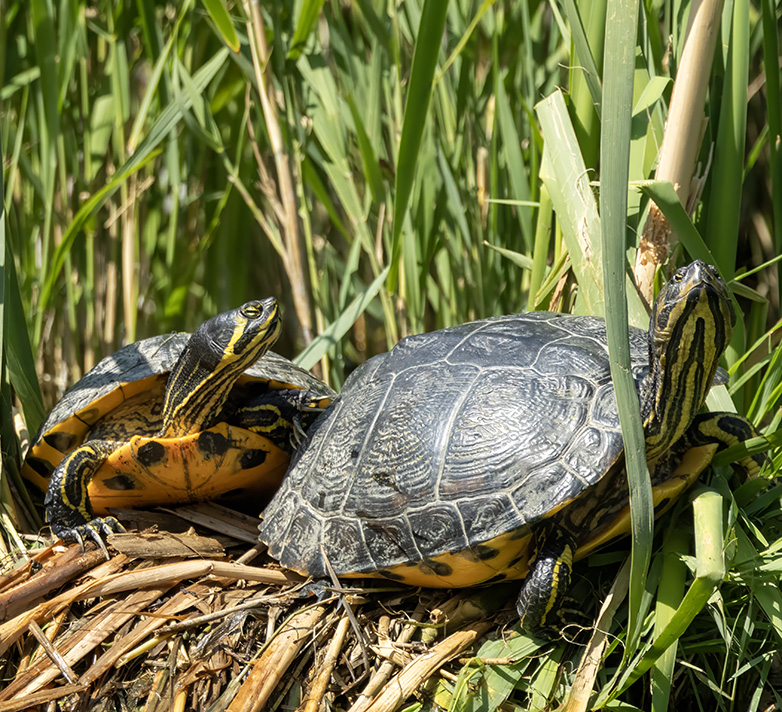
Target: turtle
(492, 450)
(175, 419)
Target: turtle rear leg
(547, 582)
(726, 429)
(67, 502)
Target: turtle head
(216, 354)
(689, 328)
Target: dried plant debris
(187, 620)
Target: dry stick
(214, 615)
(84, 641)
(167, 573)
(24, 572)
(682, 139)
(118, 654)
(423, 667)
(56, 658)
(584, 682)
(383, 673)
(268, 670)
(39, 698)
(54, 574)
(12, 629)
(318, 688)
(293, 260)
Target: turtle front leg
(726, 429)
(67, 502)
(281, 415)
(547, 582)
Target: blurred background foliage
(383, 168)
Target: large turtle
(492, 450)
(173, 419)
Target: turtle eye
(678, 276)
(251, 310)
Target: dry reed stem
(39, 698)
(184, 570)
(219, 519)
(423, 667)
(54, 574)
(588, 668)
(682, 138)
(65, 669)
(318, 688)
(292, 259)
(12, 629)
(82, 642)
(166, 545)
(381, 676)
(23, 571)
(268, 670)
(120, 652)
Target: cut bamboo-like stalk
(383, 673)
(318, 688)
(268, 670)
(421, 669)
(682, 139)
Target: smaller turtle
(492, 450)
(175, 419)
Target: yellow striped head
(211, 362)
(690, 327)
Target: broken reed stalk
(318, 687)
(682, 138)
(269, 668)
(381, 676)
(423, 667)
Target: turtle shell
(438, 458)
(121, 399)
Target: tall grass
(388, 168)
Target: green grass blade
(87, 210)
(225, 28)
(308, 17)
(146, 152)
(724, 204)
(585, 58)
(710, 571)
(427, 49)
(514, 162)
(565, 176)
(323, 342)
(614, 161)
(670, 593)
(774, 109)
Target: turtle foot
(96, 529)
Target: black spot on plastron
(439, 568)
(252, 458)
(61, 441)
(42, 467)
(390, 575)
(119, 482)
(151, 453)
(211, 443)
(483, 552)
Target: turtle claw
(96, 529)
